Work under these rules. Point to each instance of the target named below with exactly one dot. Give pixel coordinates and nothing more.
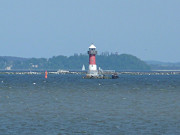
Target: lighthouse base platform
(96, 77)
(101, 76)
(92, 73)
(95, 74)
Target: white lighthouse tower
(92, 61)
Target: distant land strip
(106, 61)
(122, 62)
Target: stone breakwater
(38, 73)
(151, 73)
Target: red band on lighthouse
(92, 59)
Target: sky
(147, 29)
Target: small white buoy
(34, 83)
(99, 84)
(2, 81)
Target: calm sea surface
(70, 105)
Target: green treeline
(123, 62)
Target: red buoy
(46, 74)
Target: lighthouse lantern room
(92, 61)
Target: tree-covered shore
(123, 62)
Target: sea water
(70, 105)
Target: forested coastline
(123, 62)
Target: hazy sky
(148, 29)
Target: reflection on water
(68, 104)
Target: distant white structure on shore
(8, 68)
(35, 66)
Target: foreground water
(70, 105)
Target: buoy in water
(46, 74)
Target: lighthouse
(92, 61)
